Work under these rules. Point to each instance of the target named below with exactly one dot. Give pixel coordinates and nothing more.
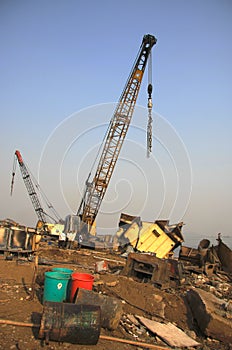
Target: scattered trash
(101, 266)
(198, 281)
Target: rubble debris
(171, 334)
(111, 284)
(160, 272)
(209, 259)
(167, 303)
(225, 255)
(210, 314)
(133, 319)
(204, 256)
(98, 283)
(155, 237)
(111, 308)
(158, 312)
(132, 326)
(189, 254)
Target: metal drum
(66, 322)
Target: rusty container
(66, 322)
(111, 308)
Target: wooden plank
(171, 334)
(132, 342)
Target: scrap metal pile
(16, 238)
(138, 294)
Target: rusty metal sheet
(225, 256)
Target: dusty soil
(138, 299)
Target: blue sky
(62, 57)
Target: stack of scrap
(155, 237)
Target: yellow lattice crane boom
(95, 190)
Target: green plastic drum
(63, 270)
(55, 286)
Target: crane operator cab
(74, 225)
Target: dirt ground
(138, 298)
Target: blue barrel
(55, 286)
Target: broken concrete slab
(209, 312)
(171, 334)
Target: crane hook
(12, 183)
(13, 175)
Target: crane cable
(45, 199)
(149, 106)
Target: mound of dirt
(138, 298)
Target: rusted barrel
(111, 308)
(66, 322)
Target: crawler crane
(32, 188)
(119, 124)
